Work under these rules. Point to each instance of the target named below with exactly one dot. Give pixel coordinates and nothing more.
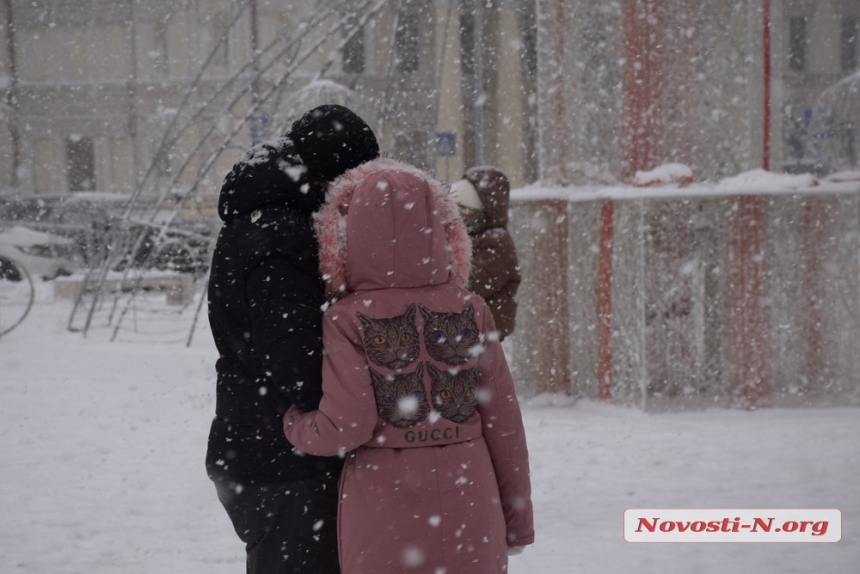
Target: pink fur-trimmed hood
(387, 224)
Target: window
(468, 54)
(163, 164)
(80, 164)
(849, 147)
(221, 40)
(353, 50)
(159, 53)
(848, 43)
(406, 41)
(469, 89)
(797, 44)
(153, 132)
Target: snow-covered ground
(102, 444)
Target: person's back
(267, 229)
(483, 195)
(265, 298)
(415, 386)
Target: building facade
(632, 84)
(159, 98)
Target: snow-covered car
(35, 252)
(185, 247)
(88, 219)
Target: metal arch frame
(20, 320)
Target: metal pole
(560, 94)
(604, 301)
(12, 93)
(480, 100)
(749, 343)
(765, 162)
(255, 90)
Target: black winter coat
(265, 298)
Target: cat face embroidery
(401, 399)
(393, 342)
(450, 337)
(454, 396)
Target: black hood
(270, 174)
(332, 139)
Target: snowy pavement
(102, 466)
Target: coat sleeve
(494, 263)
(286, 328)
(347, 413)
(505, 436)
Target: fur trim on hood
(330, 225)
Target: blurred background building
(112, 95)
(119, 119)
(160, 98)
(630, 85)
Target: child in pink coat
(417, 392)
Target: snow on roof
(667, 173)
(97, 196)
(322, 83)
(752, 182)
(844, 176)
(23, 237)
(759, 179)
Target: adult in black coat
(265, 299)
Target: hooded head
(269, 174)
(332, 139)
(494, 191)
(465, 195)
(386, 224)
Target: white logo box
(732, 525)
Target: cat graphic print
(451, 339)
(455, 394)
(391, 343)
(401, 399)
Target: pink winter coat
(416, 387)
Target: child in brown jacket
(483, 196)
